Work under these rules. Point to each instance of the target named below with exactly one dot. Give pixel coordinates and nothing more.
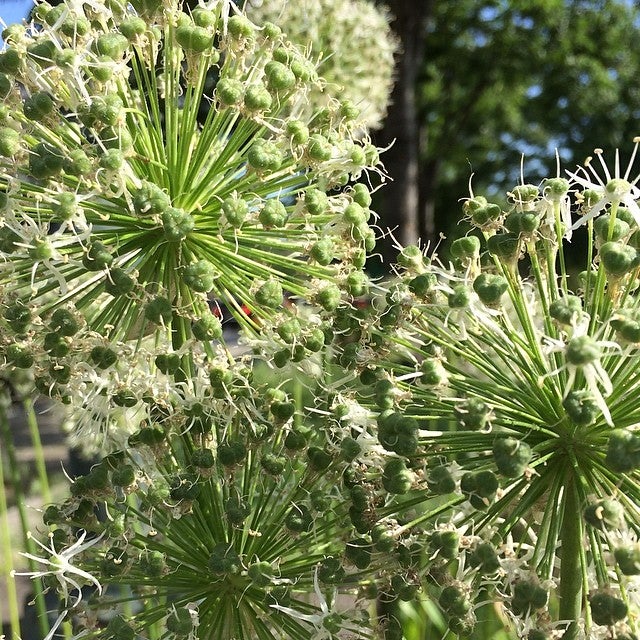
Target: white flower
(68, 575)
(616, 189)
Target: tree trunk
(400, 203)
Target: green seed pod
(55, 345)
(466, 248)
(527, 596)
(77, 163)
(118, 282)
(412, 258)
(358, 552)
(132, 28)
(606, 515)
(566, 310)
(118, 629)
(606, 609)
(200, 276)
(490, 288)
(64, 322)
(264, 156)
(296, 440)
(202, 458)
(177, 224)
(168, 363)
(236, 511)
(460, 297)
(111, 160)
(279, 76)
(207, 328)
(179, 621)
(440, 481)
(361, 195)
(479, 487)
(396, 478)
(525, 193)
(610, 230)
(230, 91)
(445, 543)
(19, 355)
(273, 214)
(485, 216)
(61, 373)
(581, 407)
(297, 131)
(270, 294)
(623, 451)
(125, 398)
(257, 98)
(319, 459)
(299, 519)
(194, 39)
(38, 106)
(484, 558)
(289, 330)
(18, 316)
(318, 148)
(472, 414)
(184, 486)
(330, 571)
(617, 258)
(42, 52)
(511, 456)
(272, 464)
(124, 476)
(10, 142)
(628, 559)
(159, 310)
(329, 297)
(147, 436)
(103, 357)
(555, 188)
(455, 601)
(349, 449)
(316, 202)
(97, 257)
(505, 246)
(240, 27)
(582, 350)
(150, 199)
(282, 410)
(111, 45)
(10, 62)
(522, 222)
(231, 452)
(224, 560)
(323, 251)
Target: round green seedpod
(445, 543)
(485, 216)
(282, 409)
(194, 39)
(358, 552)
(357, 284)
(555, 188)
(257, 97)
(273, 214)
(331, 571)
(350, 449)
(522, 222)
(608, 230)
(504, 246)
(18, 316)
(617, 258)
(236, 511)
(455, 601)
(264, 156)
(297, 131)
(19, 355)
(230, 91)
(132, 27)
(64, 322)
(125, 398)
(150, 199)
(224, 560)
(396, 478)
(55, 344)
(512, 456)
(359, 498)
(76, 163)
(42, 52)
(623, 451)
(273, 464)
(360, 194)
(460, 297)
(289, 330)
(483, 557)
(270, 294)
(479, 487)
(207, 328)
(232, 452)
(118, 282)
(299, 519)
(440, 481)
(412, 258)
(177, 224)
(329, 297)
(528, 596)
(606, 514)
(628, 559)
(279, 76)
(110, 45)
(490, 287)
(159, 310)
(123, 476)
(318, 148)
(354, 214)
(10, 62)
(240, 27)
(10, 142)
(316, 202)
(168, 363)
(581, 407)
(566, 310)
(103, 357)
(472, 414)
(314, 340)
(319, 459)
(118, 629)
(465, 248)
(525, 193)
(260, 573)
(606, 609)
(202, 458)
(112, 159)
(180, 621)
(582, 350)
(296, 440)
(97, 258)
(45, 161)
(200, 276)
(184, 486)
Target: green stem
(5, 541)
(38, 451)
(17, 483)
(571, 535)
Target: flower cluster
(354, 42)
(506, 384)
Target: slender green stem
(17, 482)
(571, 535)
(5, 543)
(38, 451)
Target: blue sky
(14, 10)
